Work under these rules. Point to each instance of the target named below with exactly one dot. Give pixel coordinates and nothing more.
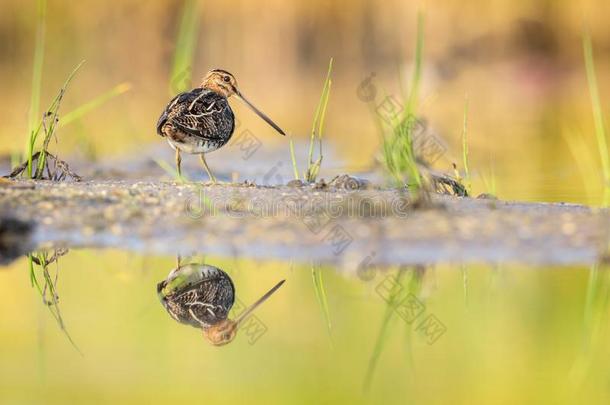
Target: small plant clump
(40, 164)
(313, 166)
(37, 163)
(47, 287)
(53, 168)
(400, 156)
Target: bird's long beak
(262, 299)
(259, 112)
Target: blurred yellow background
(519, 63)
(516, 336)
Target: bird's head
(221, 333)
(221, 82)
(224, 83)
(224, 331)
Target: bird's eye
(226, 79)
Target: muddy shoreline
(347, 228)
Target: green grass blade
(398, 155)
(417, 72)
(171, 171)
(465, 283)
(490, 183)
(313, 167)
(318, 283)
(91, 105)
(411, 107)
(33, 280)
(319, 107)
(593, 287)
(321, 116)
(392, 303)
(595, 319)
(53, 114)
(52, 306)
(34, 112)
(584, 160)
(57, 101)
(293, 158)
(323, 113)
(181, 74)
(465, 149)
(185, 180)
(600, 129)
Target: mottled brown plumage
(202, 296)
(201, 120)
(198, 295)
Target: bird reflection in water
(201, 295)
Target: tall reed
(598, 117)
(398, 155)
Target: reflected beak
(259, 112)
(262, 299)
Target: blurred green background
(517, 335)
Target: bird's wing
(168, 109)
(203, 114)
(206, 314)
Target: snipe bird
(201, 120)
(202, 296)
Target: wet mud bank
(347, 225)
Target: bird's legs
(178, 162)
(207, 169)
